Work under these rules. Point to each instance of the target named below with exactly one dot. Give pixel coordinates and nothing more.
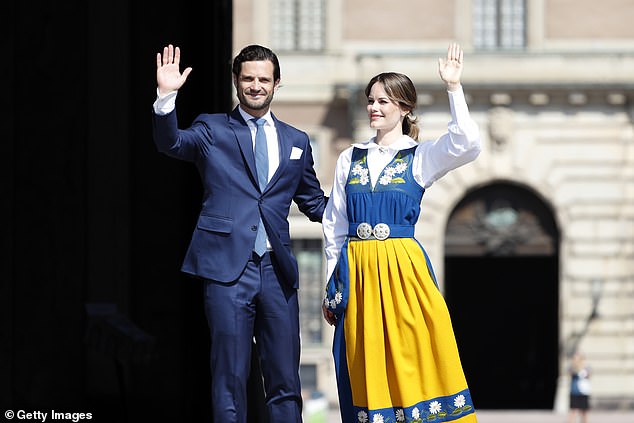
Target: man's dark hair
(255, 53)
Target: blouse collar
(400, 144)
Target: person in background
(579, 389)
(395, 354)
(252, 166)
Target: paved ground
(487, 416)
(551, 417)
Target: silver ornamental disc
(364, 230)
(381, 231)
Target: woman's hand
(328, 315)
(450, 69)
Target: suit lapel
(243, 136)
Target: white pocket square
(296, 153)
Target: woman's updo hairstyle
(400, 89)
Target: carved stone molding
(501, 220)
(501, 127)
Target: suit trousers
(256, 306)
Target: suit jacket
(221, 147)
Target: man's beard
(255, 105)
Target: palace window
(499, 24)
(298, 25)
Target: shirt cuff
(166, 104)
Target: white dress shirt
(272, 146)
(432, 160)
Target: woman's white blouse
(433, 159)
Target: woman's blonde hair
(400, 89)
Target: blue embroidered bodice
(396, 196)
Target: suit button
(254, 228)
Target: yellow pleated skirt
(400, 351)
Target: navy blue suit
(246, 296)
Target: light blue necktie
(262, 167)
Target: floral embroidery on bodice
(393, 173)
(395, 198)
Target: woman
(579, 389)
(395, 353)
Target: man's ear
(235, 80)
(276, 85)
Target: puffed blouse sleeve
(458, 146)
(335, 219)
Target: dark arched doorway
(501, 285)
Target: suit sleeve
(184, 144)
(309, 196)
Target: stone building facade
(533, 243)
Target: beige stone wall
(581, 161)
(406, 20)
(243, 19)
(565, 105)
(589, 19)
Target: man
(250, 280)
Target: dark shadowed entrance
(501, 286)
